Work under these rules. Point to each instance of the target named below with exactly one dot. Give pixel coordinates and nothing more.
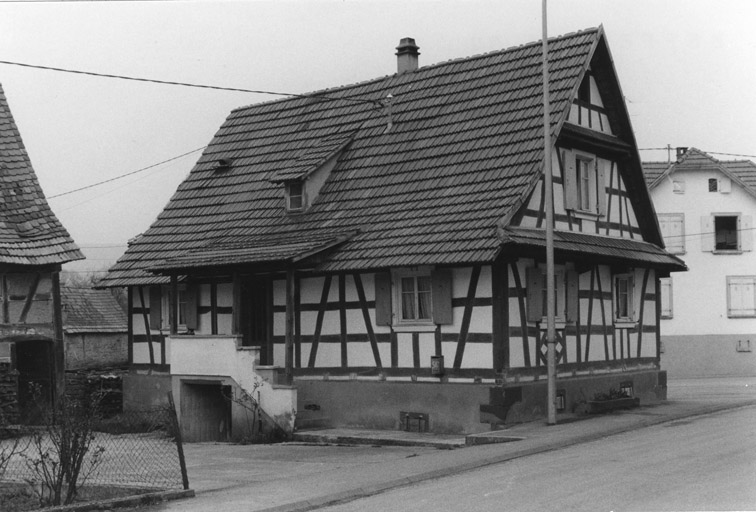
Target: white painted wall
(700, 295)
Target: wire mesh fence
(129, 453)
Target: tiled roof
(618, 249)
(742, 171)
(87, 310)
(30, 234)
(464, 150)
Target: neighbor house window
(713, 185)
(295, 196)
(623, 298)
(741, 296)
(726, 233)
(673, 230)
(665, 295)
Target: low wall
(455, 408)
(686, 357)
(142, 391)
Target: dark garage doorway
(205, 412)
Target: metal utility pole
(549, 203)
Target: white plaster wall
(700, 295)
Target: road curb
(364, 492)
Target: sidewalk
(303, 476)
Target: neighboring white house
(706, 209)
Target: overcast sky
(687, 69)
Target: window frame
(738, 237)
(398, 277)
(752, 312)
(181, 300)
(586, 179)
(302, 196)
(629, 316)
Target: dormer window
(295, 196)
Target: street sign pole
(549, 203)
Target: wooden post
(179, 441)
(59, 355)
(289, 369)
(173, 304)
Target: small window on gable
(623, 298)
(713, 184)
(678, 187)
(295, 196)
(584, 187)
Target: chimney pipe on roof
(681, 152)
(407, 55)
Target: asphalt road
(704, 463)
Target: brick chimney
(406, 55)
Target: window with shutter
(623, 298)
(420, 297)
(565, 295)
(741, 296)
(672, 226)
(665, 295)
(584, 183)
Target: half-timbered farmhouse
(706, 210)
(373, 254)
(33, 246)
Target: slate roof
(742, 172)
(87, 310)
(464, 151)
(576, 243)
(30, 234)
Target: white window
(678, 186)
(584, 183)
(741, 296)
(726, 233)
(180, 307)
(665, 295)
(623, 298)
(673, 230)
(295, 196)
(421, 296)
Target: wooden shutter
(745, 225)
(601, 186)
(156, 314)
(725, 185)
(190, 314)
(441, 293)
(383, 298)
(570, 180)
(571, 308)
(665, 293)
(707, 233)
(535, 282)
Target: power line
(127, 174)
(709, 152)
(186, 84)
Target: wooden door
(205, 412)
(257, 316)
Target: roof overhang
(570, 245)
(269, 251)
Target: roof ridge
(322, 92)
